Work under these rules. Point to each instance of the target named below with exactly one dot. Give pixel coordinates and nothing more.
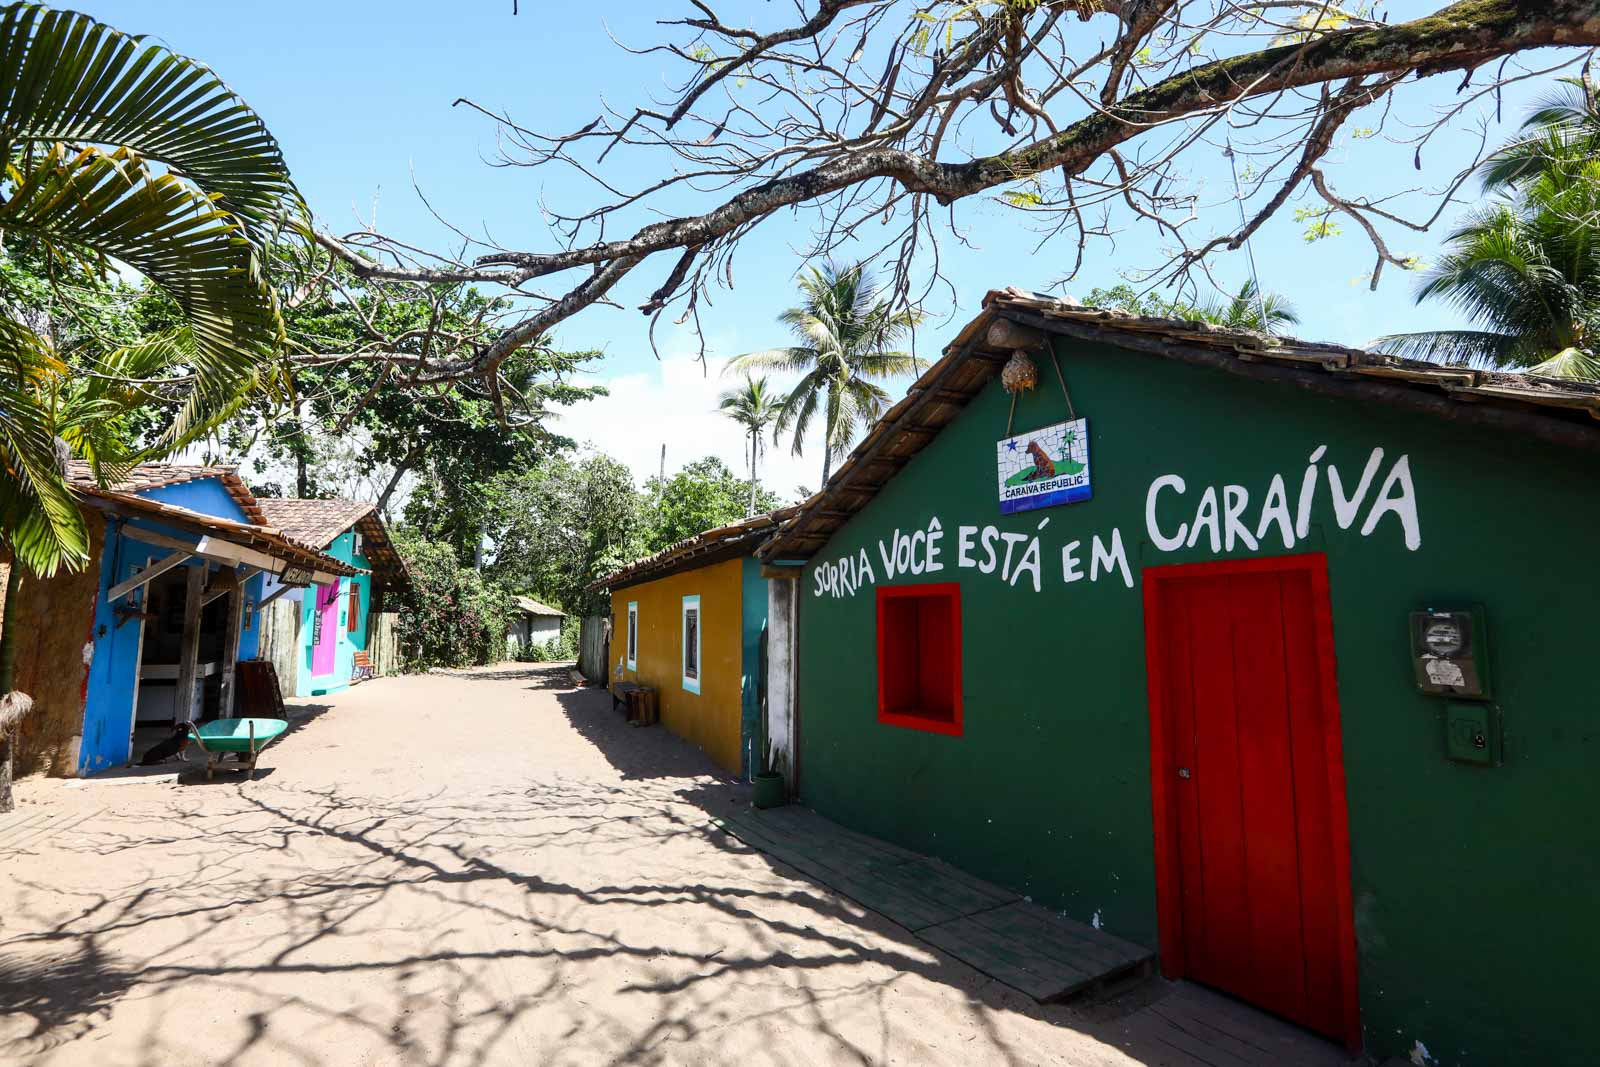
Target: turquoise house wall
(1473, 888)
(346, 642)
(753, 622)
(113, 678)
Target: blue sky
(359, 92)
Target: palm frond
(1456, 348)
(1563, 128)
(90, 205)
(1575, 363)
(39, 519)
(847, 332)
(780, 359)
(884, 364)
(794, 417)
(160, 370)
(64, 77)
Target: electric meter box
(1450, 652)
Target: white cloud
(673, 401)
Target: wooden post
(189, 654)
(230, 652)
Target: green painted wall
(1474, 889)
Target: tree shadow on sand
(567, 920)
(60, 998)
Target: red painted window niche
(919, 657)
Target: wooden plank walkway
(19, 830)
(991, 929)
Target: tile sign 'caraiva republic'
(1045, 467)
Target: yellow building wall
(709, 718)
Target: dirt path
(482, 869)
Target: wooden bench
(638, 701)
(619, 694)
(363, 667)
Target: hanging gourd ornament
(1019, 374)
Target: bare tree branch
(876, 111)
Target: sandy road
(483, 869)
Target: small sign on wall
(1045, 467)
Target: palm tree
(1249, 309)
(1268, 313)
(845, 334)
(754, 407)
(115, 149)
(1526, 273)
(1562, 127)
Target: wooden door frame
(138, 656)
(1169, 904)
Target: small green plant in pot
(770, 789)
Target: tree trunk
(755, 447)
(394, 483)
(302, 476)
(827, 464)
(8, 670)
(8, 802)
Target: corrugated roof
(701, 548)
(1558, 411)
(532, 607)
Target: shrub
(450, 617)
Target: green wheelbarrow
(246, 737)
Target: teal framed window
(690, 645)
(633, 635)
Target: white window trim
(630, 648)
(692, 684)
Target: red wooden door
(1253, 854)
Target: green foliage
(1526, 274)
(846, 334)
(117, 151)
(1525, 269)
(1022, 198)
(702, 496)
(451, 616)
(1319, 223)
(755, 407)
(452, 437)
(1562, 128)
(559, 526)
(1266, 313)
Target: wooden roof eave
(129, 506)
(389, 567)
(810, 529)
(736, 537)
(1498, 401)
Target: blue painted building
(150, 635)
(335, 618)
